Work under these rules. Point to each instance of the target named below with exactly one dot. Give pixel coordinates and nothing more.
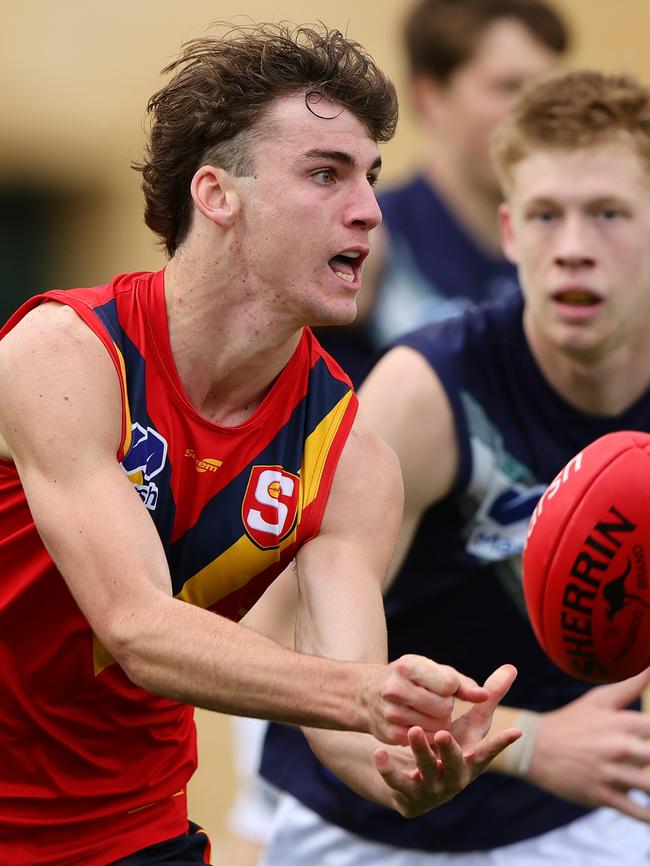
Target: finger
(637, 752)
(499, 682)
(413, 795)
(407, 705)
(441, 679)
(469, 690)
(625, 804)
(451, 757)
(629, 778)
(479, 717)
(490, 746)
(424, 754)
(497, 686)
(635, 722)
(619, 695)
(392, 775)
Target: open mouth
(577, 297)
(347, 265)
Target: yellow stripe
(101, 656)
(243, 560)
(318, 445)
(233, 569)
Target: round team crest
(270, 504)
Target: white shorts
(252, 812)
(300, 837)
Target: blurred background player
(483, 410)
(438, 245)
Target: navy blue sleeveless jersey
(458, 596)
(434, 267)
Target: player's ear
(215, 195)
(427, 96)
(508, 240)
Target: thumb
(619, 695)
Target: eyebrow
(597, 200)
(340, 156)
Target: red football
(586, 562)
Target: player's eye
(544, 216)
(324, 176)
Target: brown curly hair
(210, 111)
(572, 110)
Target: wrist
(518, 757)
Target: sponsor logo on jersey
(270, 504)
(145, 460)
(203, 464)
(499, 528)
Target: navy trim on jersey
(458, 596)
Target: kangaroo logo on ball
(617, 596)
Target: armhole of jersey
(341, 418)
(443, 370)
(464, 473)
(98, 328)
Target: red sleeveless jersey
(94, 767)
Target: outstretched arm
(340, 610)
(340, 614)
(68, 393)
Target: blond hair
(572, 110)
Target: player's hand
(415, 691)
(594, 751)
(425, 775)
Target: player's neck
(227, 350)
(474, 207)
(605, 384)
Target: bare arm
(340, 577)
(340, 611)
(403, 400)
(68, 392)
(593, 750)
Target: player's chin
(337, 314)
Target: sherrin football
(586, 561)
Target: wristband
(518, 756)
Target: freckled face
(308, 211)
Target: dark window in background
(25, 219)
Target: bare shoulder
(65, 381)
(404, 400)
(367, 458)
(402, 381)
(50, 331)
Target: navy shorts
(190, 848)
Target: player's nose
(574, 244)
(364, 208)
